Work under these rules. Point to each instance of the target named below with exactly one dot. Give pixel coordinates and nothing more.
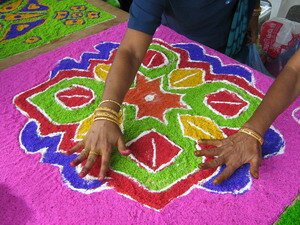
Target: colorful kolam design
(183, 92)
(175, 100)
(27, 24)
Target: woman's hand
(99, 141)
(234, 152)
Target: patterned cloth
(238, 29)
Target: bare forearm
(125, 66)
(121, 75)
(282, 93)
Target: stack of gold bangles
(253, 134)
(105, 113)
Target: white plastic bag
(277, 35)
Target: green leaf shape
(56, 112)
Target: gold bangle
(105, 114)
(106, 109)
(253, 134)
(108, 119)
(117, 103)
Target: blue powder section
(234, 184)
(33, 142)
(196, 53)
(104, 49)
(14, 32)
(272, 145)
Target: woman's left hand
(234, 152)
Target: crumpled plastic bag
(254, 60)
(275, 65)
(277, 35)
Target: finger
(254, 167)
(122, 147)
(214, 142)
(104, 163)
(227, 172)
(90, 160)
(75, 148)
(83, 155)
(209, 152)
(212, 164)
(89, 164)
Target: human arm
(145, 17)
(103, 134)
(241, 148)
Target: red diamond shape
(153, 151)
(226, 103)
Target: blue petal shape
(104, 49)
(236, 184)
(34, 142)
(273, 143)
(38, 7)
(196, 53)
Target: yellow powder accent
(61, 15)
(78, 7)
(32, 40)
(33, 6)
(93, 15)
(10, 7)
(186, 78)
(101, 71)
(77, 15)
(84, 128)
(22, 27)
(198, 127)
(11, 17)
(74, 22)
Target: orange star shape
(151, 100)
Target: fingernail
(200, 167)
(215, 182)
(72, 164)
(101, 178)
(81, 174)
(126, 152)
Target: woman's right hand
(99, 141)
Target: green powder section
(27, 24)
(291, 216)
(58, 110)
